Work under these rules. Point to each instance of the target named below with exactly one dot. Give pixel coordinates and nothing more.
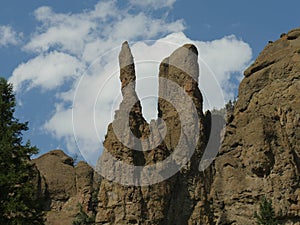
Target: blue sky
(53, 50)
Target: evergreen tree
(82, 218)
(18, 197)
(266, 215)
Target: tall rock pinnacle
(127, 71)
(121, 204)
(181, 68)
(147, 198)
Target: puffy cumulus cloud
(60, 125)
(225, 59)
(88, 43)
(143, 27)
(48, 71)
(8, 36)
(105, 25)
(156, 4)
(61, 31)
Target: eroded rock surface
(261, 150)
(63, 186)
(259, 156)
(180, 198)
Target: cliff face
(261, 150)
(63, 186)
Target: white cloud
(8, 36)
(156, 4)
(48, 71)
(140, 26)
(224, 57)
(105, 25)
(61, 124)
(68, 45)
(61, 31)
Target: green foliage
(229, 106)
(18, 201)
(82, 218)
(266, 214)
(282, 35)
(94, 200)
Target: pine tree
(266, 215)
(18, 201)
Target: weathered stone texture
(63, 186)
(157, 203)
(261, 150)
(259, 156)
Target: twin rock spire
(142, 164)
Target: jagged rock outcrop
(63, 186)
(260, 155)
(139, 196)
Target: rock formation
(259, 156)
(63, 186)
(261, 150)
(136, 198)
